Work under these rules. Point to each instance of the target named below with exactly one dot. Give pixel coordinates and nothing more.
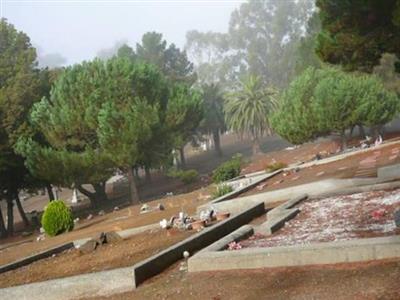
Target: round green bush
(57, 218)
(228, 170)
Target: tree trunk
(136, 172)
(351, 130)
(217, 142)
(182, 155)
(147, 174)
(3, 229)
(21, 211)
(88, 194)
(381, 130)
(50, 192)
(10, 216)
(133, 192)
(344, 141)
(96, 197)
(100, 192)
(256, 146)
(361, 131)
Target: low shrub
(275, 166)
(187, 177)
(228, 170)
(222, 190)
(57, 218)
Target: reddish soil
(338, 218)
(129, 217)
(305, 152)
(108, 256)
(344, 168)
(366, 281)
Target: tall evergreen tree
(19, 89)
(90, 106)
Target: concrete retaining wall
(167, 257)
(30, 259)
(299, 255)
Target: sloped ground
(372, 280)
(125, 218)
(350, 167)
(109, 256)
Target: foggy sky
(78, 29)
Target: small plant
(228, 170)
(186, 177)
(222, 190)
(57, 218)
(275, 166)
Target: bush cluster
(57, 218)
(228, 170)
(187, 177)
(222, 190)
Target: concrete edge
(239, 234)
(126, 233)
(157, 263)
(277, 221)
(362, 189)
(233, 194)
(298, 255)
(32, 258)
(125, 279)
(104, 283)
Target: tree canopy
(356, 33)
(324, 101)
(95, 120)
(20, 87)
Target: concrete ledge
(277, 221)
(167, 257)
(237, 192)
(287, 205)
(127, 233)
(98, 284)
(30, 259)
(299, 255)
(239, 234)
(389, 173)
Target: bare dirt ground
(371, 280)
(345, 168)
(125, 218)
(108, 256)
(338, 218)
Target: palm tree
(247, 110)
(213, 121)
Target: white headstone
(74, 196)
